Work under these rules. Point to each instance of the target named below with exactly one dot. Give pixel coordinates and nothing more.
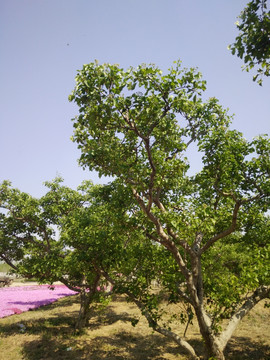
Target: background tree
(137, 125)
(83, 238)
(35, 243)
(253, 42)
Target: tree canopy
(198, 234)
(38, 238)
(83, 238)
(253, 41)
(137, 125)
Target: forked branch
(260, 293)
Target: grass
(4, 267)
(49, 335)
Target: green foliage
(253, 42)
(108, 116)
(230, 266)
(197, 236)
(189, 233)
(33, 235)
(78, 237)
(142, 138)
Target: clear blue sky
(44, 42)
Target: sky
(43, 43)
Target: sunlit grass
(49, 335)
(4, 267)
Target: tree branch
(9, 262)
(259, 294)
(153, 324)
(226, 232)
(71, 287)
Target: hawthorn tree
(73, 236)
(253, 42)
(137, 125)
(101, 237)
(35, 242)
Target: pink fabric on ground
(15, 300)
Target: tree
(73, 236)
(253, 42)
(35, 242)
(137, 125)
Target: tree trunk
(215, 352)
(85, 311)
(86, 298)
(212, 345)
(260, 293)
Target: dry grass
(49, 335)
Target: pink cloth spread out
(15, 300)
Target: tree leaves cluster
(253, 41)
(137, 125)
(197, 236)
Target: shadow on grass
(60, 303)
(47, 318)
(60, 324)
(53, 325)
(121, 346)
(242, 348)
(56, 339)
